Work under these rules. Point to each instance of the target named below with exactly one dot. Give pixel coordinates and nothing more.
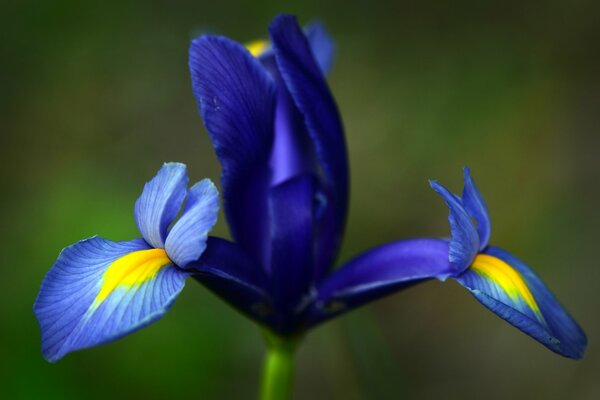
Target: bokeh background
(94, 96)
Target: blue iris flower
(277, 133)
(497, 279)
(98, 290)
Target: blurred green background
(94, 96)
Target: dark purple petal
(292, 230)
(306, 84)
(378, 272)
(473, 201)
(523, 300)
(232, 274)
(236, 98)
(327, 234)
(464, 241)
(321, 45)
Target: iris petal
(98, 291)
(464, 241)
(292, 259)
(187, 239)
(511, 290)
(236, 98)
(160, 203)
(321, 44)
(379, 272)
(232, 274)
(306, 84)
(475, 205)
(293, 151)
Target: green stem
(278, 368)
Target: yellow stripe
(257, 47)
(131, 270)
(509, 279)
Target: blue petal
(187, 239)
(293, 151)
(231, 273)
(93, 295)
(160, 203)
(327, 234)
(475, 205)
(464, 242)
(308, 88)
(236, 98)
(292, 259)
(321, 44)
(378, 272)
(511, 290)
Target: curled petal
(98, 291)
(379, 272)
(187, 239)
(160, 203)
(464, 241)
(475, 205)
(511, 290)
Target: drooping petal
(236, 98)
(187, 239)
(475, 205)
(306, 84)
(292, 258)
(321, 44)
(464, 241)
(160, 203)
(98, 291)
(511, 290)
(231, 273)
(378, 272)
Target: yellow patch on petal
(257, 47)
(509, 279)
(131, 270)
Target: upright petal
(293, 151)
(231, 273)
(475, 205)
(321, 44)
(307, 86)
(511, 290)
(464, 241)
(160, 203)
(379, 272)
(98, 291)
(187, 239)
(292, 257)
(236, 98)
